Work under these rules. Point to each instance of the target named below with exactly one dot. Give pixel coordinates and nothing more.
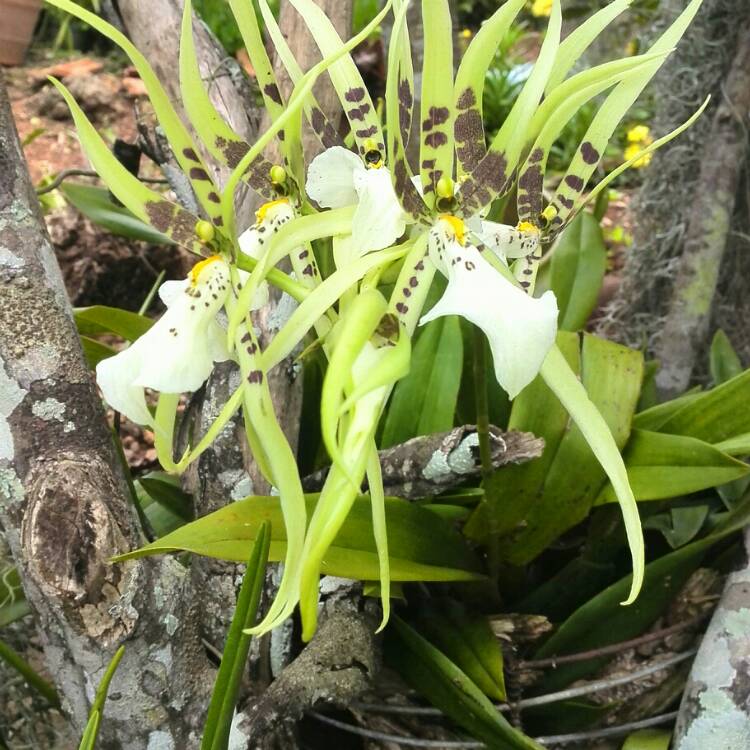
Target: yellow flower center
(457, 226)
(261, 213)
(198, 268)
(640, 134)
(541, 8)
(527, 226)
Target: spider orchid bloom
(521, 329)
(178, 352)
(337, 178)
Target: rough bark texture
(674, 198)
(65, 509)
(432, 464)
(688, 318)
(715, 710)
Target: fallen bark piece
(431, 464)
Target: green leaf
(648, 739)
(469, 86)
(724, 362)
(165, 490)
(436, 132)
(613, 376)
(448, 688)
(97, 319)
(718, 414)
(465, 638)
(424, 402)
(95, 203)
(37, 682)
(88, 741)
(607, 394)
(13, 604)
(512, 490)
(654, 417)
(679, 525)
(95, 351)
(421, 545)
(602, 621)
(150, 207)
(661, 466)
(234, 657)
(577, 271)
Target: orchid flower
(178, 352)
(337, 178)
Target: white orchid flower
(521, 329)
(337, 178)
(178, 352)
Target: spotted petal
(178, 352)
(504, 240)
(520, 329)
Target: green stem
(44, 688)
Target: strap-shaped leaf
(608, 117)
(531, 174)
(469, 87)
(492, 175)
(182, 144)
(219, 138)
(320, 124)
(149, 206)
(399, 97)
(578, 41)
(563, 382)
(346, 79)
(436, 131)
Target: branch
(432, 464)
(64, 502)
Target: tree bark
(65, 507)
(715, 709)
(686, 327)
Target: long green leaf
(724, 362)
(224, 696)
(661, 466)
(14, 660)
(447, 687)
(88, 741)
(564, 384)
(421, 545)
(97, 319)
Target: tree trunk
(66, 509)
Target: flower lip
(527, 226)
(261, 213)
(199, 267)
(457, 227)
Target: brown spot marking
(469, 133)
(188, 153)
(255, 376)
(281, 135)
(531, 185)
(419, 266)
(406, 291)
(198, 173)
(405, 102)
(367, 132)
(433, 140)
(245, 338)
(213, 197)
(271, 90)
(358, 113)
(413, 280)
(589, 153)
(575, 182)
(488, 175)
(304, 254)
(402, 308)
(218, 221)
(567, 202)
(355, 94)
(307, 270)
(467, 99)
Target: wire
(62, 176)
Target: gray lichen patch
(720, 726)
(11, 394)
(49, 409)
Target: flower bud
(204, 230)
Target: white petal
(177, 353)
(504, 240)
(169, 291)
(249, 242)
(379, 219)
(330, 177)
(116, 376)
(520, 329)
